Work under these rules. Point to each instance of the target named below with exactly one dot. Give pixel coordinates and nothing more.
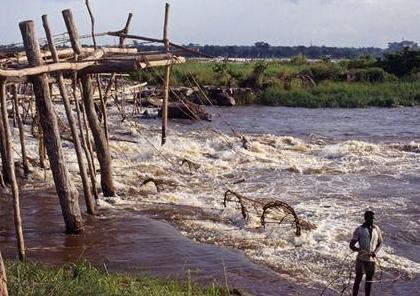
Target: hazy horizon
(338, 23)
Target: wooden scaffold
(26, 77)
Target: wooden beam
(66, 192)
(66, 66)
(135, 37)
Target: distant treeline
(264, 50)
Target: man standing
(369, 238)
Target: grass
(84, 279)
(345, 95)
(373, 87)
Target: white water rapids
(329, 182)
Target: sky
(343, 23)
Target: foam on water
(328, 184)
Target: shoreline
(132, 243)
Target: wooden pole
(67, 194)
(64, 94)
(125, 30)
(167, 77)
(40, 136)
(85, 142)
(14, 114)
(102, 149)
(11, 169)
(21, 130)
(103, 107)
(3, 278)
(3, 154)
(92, 21)
(2, 184)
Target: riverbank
(323, 84)
(32, 279)
(124, 240)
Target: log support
(67, 194)
(102, 149)
(64, 94)
(3, 155)
(167, 78)
(11, 170)
(21, 130)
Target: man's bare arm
(353, 246)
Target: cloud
(279, 22)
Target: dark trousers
(364, 267)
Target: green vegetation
(83, 279)
(393, 80)
(345, 95)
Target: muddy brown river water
(329, 164)
(132, 243)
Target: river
(330, 165)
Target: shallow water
(126, 241)
(329, 164)
(370, 124)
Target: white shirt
(367, 244)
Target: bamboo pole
(67, 194)
(3, 278)
(102, 149)
(64, 94)
(167, 77)
(21, 130)
(11, 168)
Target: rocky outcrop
(186, 110)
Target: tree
(401, 63)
